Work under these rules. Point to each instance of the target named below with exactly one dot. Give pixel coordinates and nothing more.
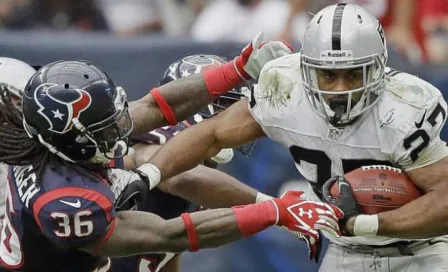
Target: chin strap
(53, 149)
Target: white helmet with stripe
(343, 36)
(15, 74)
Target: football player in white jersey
(336, 106)
(14, 74)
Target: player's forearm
(185, 151)
(139, 233)
(424, 217)
(185, 96)
(210, 188)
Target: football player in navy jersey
(171, 198)
(63, 193)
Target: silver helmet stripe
(337, 25)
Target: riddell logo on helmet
(336, 54)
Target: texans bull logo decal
(60, 112)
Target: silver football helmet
(15, 75)
(343, 36)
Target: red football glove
(304, 218)
(256, 54)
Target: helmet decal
(61, 113)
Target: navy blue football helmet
(196, 64)
(77, 112)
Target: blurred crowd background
(135, 40)
(417, 29)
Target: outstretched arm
(185, 96)
(231, 128)
(182, 98)
(211, 188)
(140, 232)
(223, 190)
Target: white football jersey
(402, 129)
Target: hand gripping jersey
(47, 221)
(402, 129)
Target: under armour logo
(308, 212)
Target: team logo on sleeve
(59, 111)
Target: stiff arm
(231, 128)
(140, 232)
(201, 185)
(178, 94)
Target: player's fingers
(326, 194)
(331, 221)
(338, 212)
(280, 49)
(323, 207)
(286, 44)
(331, 231)
(256, 42)
(327, 226)
(329, 209)
(334, 210)
(307, 230)
(344, 187)
(311, 239)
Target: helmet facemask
(14, 94)
(342, 108)
(109, 137)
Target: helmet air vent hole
(359, 19)
(320, 18)
(86, 76)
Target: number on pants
(323, 164)
(82, 227)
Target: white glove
(256, 54)
(130, 188)
(119, 179)
(224, 156)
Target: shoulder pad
(412, 113)
(279, 89)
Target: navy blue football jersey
(164, 205)
(168, 207)
(47, 222)
(161, 135)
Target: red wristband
(191, 232)
(254, 218)
(164, 107)
(222, 79)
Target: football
(379, 188)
